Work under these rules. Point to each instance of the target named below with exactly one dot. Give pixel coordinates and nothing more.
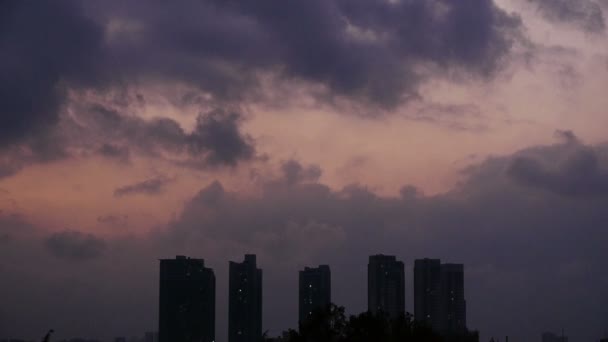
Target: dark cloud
(210, 195)
(46, 48)
(579, 172)
(566, 136)
(585, 14)
(363, 50)
(226, 54)
(367, 51)
(295, 173)
(44, 148)
(215, 141)
(75, 245)
(120, 153)
(218, 140)
(152, 186)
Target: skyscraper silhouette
(427, 292)
(314, 290)
(245, 301)
(186, 301)
(385, 285)
(453, 304)
(439, 295)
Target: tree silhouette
(330, 325)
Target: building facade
(439, 299)
(186, 301)
(245, 301)
(314, 290)
(385, 285)
(453, 303)
(427, 292)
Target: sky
(307, 132)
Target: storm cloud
(370, 52)
(367, 51)
(46, 48)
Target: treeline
(332, 325)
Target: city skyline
(306, 132)
(187, 298)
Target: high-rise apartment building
(245, 301)
(427, 292)
(439, 298)
(186, 301)
(385, 285)
(314, 290)
(454, 306)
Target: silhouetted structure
(187, 301)
(245, 301)
(427, 292)
(385, 285)
(439, 296)
(314, 290)
(551, 337)
(453, 305)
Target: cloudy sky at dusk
(307, 132)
